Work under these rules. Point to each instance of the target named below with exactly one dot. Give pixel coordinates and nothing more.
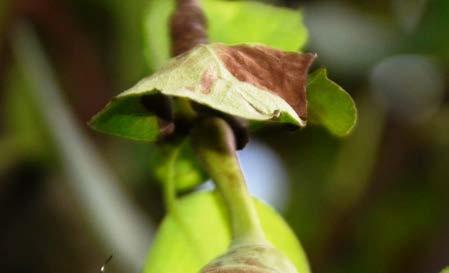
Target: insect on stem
(103, 267)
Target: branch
(187, 26)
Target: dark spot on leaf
(283, 73)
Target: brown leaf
(283, 73)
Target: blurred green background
(377, 201)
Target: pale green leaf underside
(182, 77)
(329, 105)
(198, 231)
(229, 22)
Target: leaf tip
(330, 105)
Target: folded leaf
(329, 105)
(229, 22)
(198, 230)
(252, 82)
(127, 117)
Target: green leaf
(330, 105)
(208, 75)
(276, 27)
(229, 22)
(198, 231)
(446, 270)
(187, 172)
(127, 117)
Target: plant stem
(170, 183)
(187, 26)
(214, 144)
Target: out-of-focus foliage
(27, 136)
(278, 27)
(430, 36)
(4, 8)
(197, 230)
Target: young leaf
(277, 27)
(252, 82)
(187, 172)
(127, 117)
(329, 105)
(198, 231)
(445, 270)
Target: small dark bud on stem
(238, 125)
(159, 105)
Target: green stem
(185, 109)
(214, 143)
(170, 183)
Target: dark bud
(239, 126)
(159, 105)
(183, 126)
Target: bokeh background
(377, 201)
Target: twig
(187, 26)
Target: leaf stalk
(214, 143)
